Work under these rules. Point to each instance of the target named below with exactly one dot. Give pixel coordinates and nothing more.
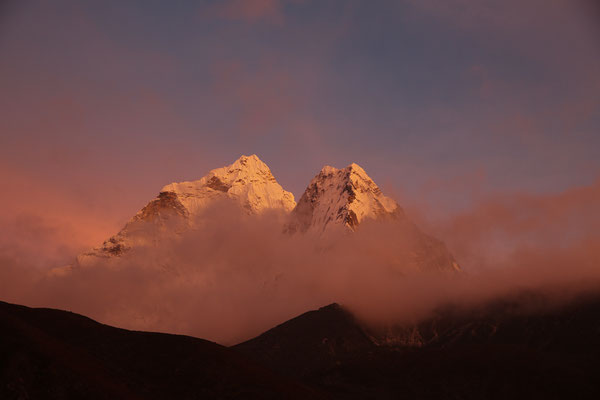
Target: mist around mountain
(226, 247)
(203, 259)
(180, 207)
(335, 200)
(229, 258)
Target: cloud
(498, 229)
(238, 275)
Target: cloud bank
(238, 275)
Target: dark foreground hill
(52, 354)
(520, 348)
(499, 351)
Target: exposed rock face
(341, 197)
(163, 215)
(248, 182)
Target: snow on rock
(248, 181)
(335, 198)
(341, 197)
(344, 198)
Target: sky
(445, 103)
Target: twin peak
(334, 199)
(334, 196)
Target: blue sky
(441, 101)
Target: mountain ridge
(503, 349)
(55, 354)
(499, 350)
(335, 200)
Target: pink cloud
(239, 276)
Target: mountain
(335, 198)
(247, 182)
(521, 347)
(502, 350)
(346, 198)
(316, 340)
(341, 197)
(53, 354)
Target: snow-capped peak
(340, 197)
(248, 181)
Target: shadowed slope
(499, 351)
(313, 341)
(52, 354)
(503, 350)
